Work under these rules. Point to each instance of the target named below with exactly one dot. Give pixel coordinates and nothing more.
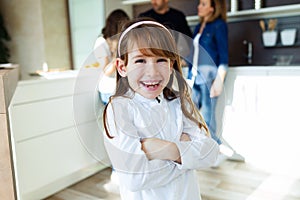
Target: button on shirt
(134, 118)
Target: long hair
(114, 22)
(220, 10)
(153, 40)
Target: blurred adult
(105, 51)
(210, 64)
(170, 17)
(175, 20)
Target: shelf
(134, 2)
(278, 11)
(280, 45)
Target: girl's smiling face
(147, 75)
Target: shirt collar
(142, 99)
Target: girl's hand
(156, 148)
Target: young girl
(155, 137)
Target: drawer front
(40, 118)
(44, 160)
(29, 91)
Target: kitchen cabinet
(50, 153)
(261, 108)
(251, 14)
(8, 83)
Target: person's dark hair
(114, 22)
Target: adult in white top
(105, 52)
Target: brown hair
(114, 22)
(220, 10)
(153, 40)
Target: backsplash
(251, 32)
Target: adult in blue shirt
(209, 60)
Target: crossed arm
(156, 148)
(150, 163)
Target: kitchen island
(260, 115)
(53, 147)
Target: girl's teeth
(151, 84)
(154, 83)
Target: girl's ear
(121, 67)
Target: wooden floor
(231, 181)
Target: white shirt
(196, 50)
(101, 49)
(130, 120)
(102, 52)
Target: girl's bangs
(151, 41)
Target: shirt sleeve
(200, 152)
(101, 48)
(222, 44)
(134, 170)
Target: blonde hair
(155, 40)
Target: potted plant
(4, 36)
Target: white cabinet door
(51, 149)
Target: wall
(86, 22)
(250, 31)
(39, 32)
(56, 33)
(111, 5)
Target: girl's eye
(140, 61)
(162, 60)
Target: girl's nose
(151, 68)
